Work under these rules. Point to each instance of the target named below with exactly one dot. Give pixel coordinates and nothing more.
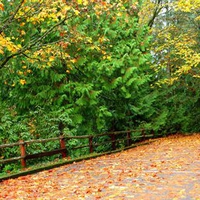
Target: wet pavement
(166, 169)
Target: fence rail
(63, 150)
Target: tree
(80, 62)
(176, 61)
(83, 68)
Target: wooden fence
(114, 139)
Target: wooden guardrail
(128, 139)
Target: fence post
(23, 153)
(143, 134)
(90, 144)
(62, 145)
(153, 133)
(113, 139)
(129, 138)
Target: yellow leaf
(23, 32)
(22, 81)
(76, 12)
(79, 1)
(119, 14)
(68, 71)
(22, 24)
(103, 52)
(20, 72)
(109, 57)
(49, 64)
(85, 2)
(1, 51)
(19, 45)
(66, 8)
(73, 60)
(8, 39)
(1, 7)
(10, 48)
(51, 58)
(29, 71)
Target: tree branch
(33, 43)
(9, 20)
(155, 13)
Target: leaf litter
(168, 168)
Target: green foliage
(103, 144)
(91, 74)
(102, 85)
(183, 98)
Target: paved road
(167, 169)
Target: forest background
(86, 67)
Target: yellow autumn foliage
(6, 43)
(179, 51)
(187, 5)
(176, 49)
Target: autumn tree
(83, 64)
(84, 67)
(175, 29)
